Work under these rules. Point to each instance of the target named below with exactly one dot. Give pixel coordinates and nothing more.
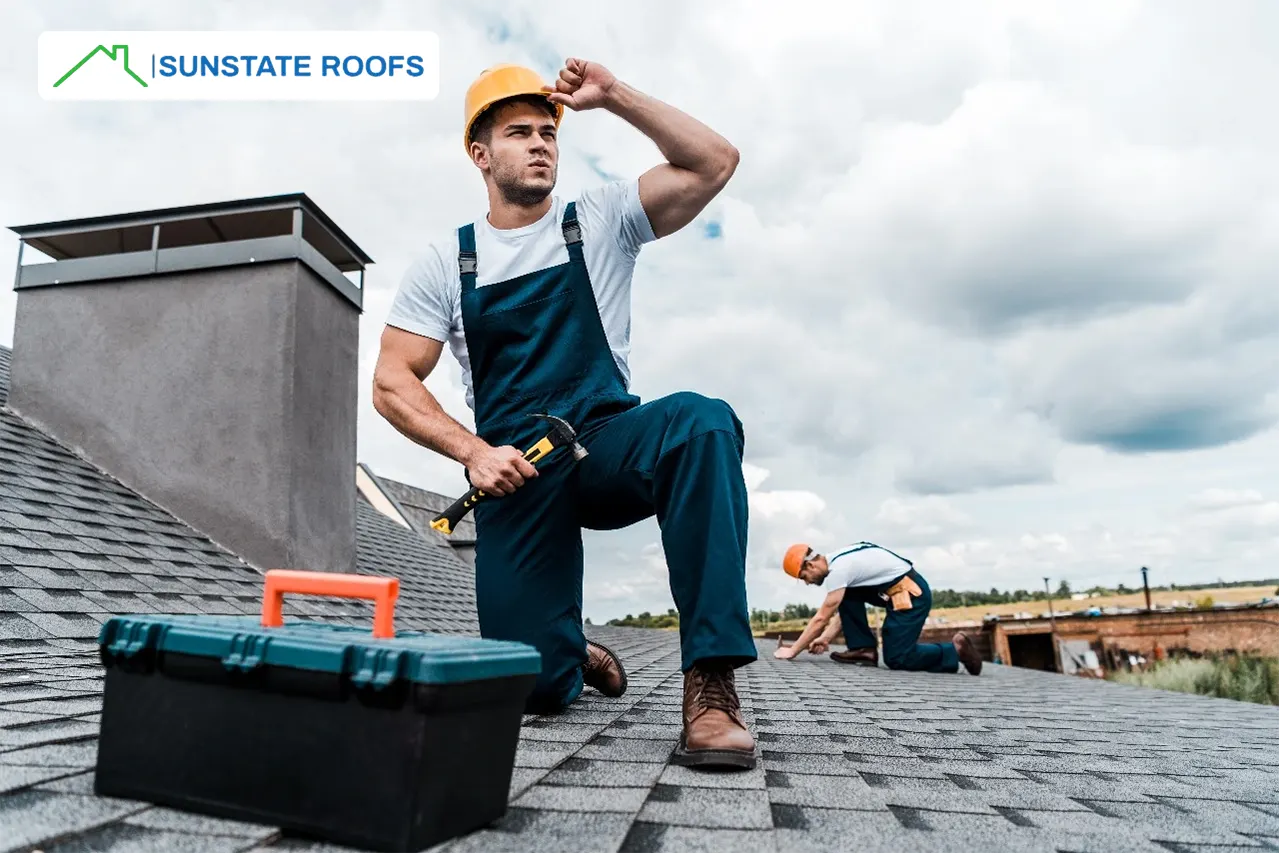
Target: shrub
(1246, 678)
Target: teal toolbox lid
(242, 643)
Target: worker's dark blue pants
(900, 630)
(677, 457)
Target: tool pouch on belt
(901, 592)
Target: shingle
(643, 731)
(171, 820)
(10, 717)
(17, 625)
(57, 601)
(128, 838)
(68, 781)
(62, 706)
(14, 777)
(1191, 814)
(45, 732)
(627, 749)
(678, 776)
(74, 755)
(707, 807)
(525, 830)
(65, 624)
(565, 734)
(31, 817)
(583, 798)
(542, 754)
(658, 838)
(588, 772)
(815, 764)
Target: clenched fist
(582, 85)
(500, 470)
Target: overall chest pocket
(533, 348)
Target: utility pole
(1053, 629)
(1146, 589)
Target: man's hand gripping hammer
(561, 435)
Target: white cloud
(925, 520)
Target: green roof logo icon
(120, 50)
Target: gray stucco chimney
(207, 357)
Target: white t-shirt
(614, 227)
(869, 566)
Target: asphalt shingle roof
(851, 758)
(77, 546)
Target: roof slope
(77, 546)
(852, 758)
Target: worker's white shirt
(614, 227)
(869, 566)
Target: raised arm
(405, 360)
(699, 161)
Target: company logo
(121, 49)
(359, 65)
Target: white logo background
(360, 54)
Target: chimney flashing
(193, 237)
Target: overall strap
(467, 256)
(862, 546)
(572, 232)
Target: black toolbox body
(324, 730)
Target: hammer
(561, 435)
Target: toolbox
(377, 739)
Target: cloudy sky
(1000, 278)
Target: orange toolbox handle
(382, 591)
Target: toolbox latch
(246, 652)
(377, 668)
(132, 636)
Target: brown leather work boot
(604, 671)
(967, 653)
(715, 734)
(860, 657)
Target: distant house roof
(851, 758)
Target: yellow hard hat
(499, 82)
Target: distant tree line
(670, 619)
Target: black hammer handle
(448, 520)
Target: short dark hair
(482, 129)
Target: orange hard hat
(793, 560)
(497, 83)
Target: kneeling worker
(862, 574)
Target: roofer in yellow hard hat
(861, 574)
(534, 301)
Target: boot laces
(716, 690)
(597, 660)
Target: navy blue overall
(901, 628)
(536, 344)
